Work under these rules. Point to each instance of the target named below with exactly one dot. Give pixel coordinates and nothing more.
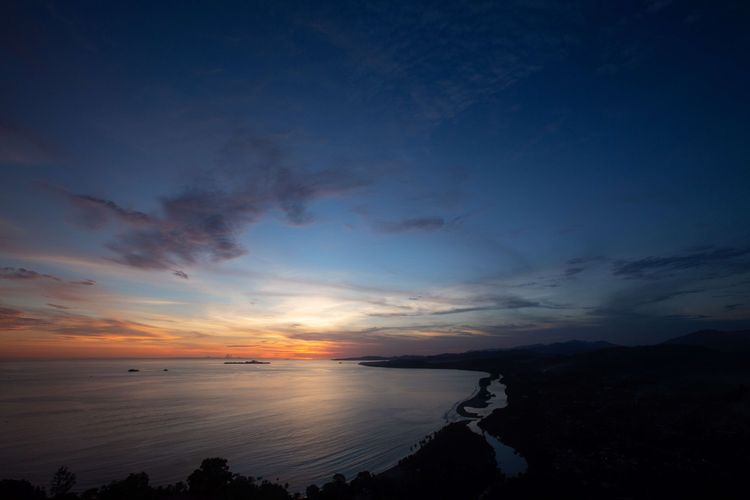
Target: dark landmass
(713, 339)
(453, 463)
(133, 370)
(565, 348)
(558, 348)
(253, 362)
(362, 358)
(212, 480)
(664, 421)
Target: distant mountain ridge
(555, 349)
(738, 340)
(363, 358)
(728, 341)
(566, 348)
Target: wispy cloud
(444, 58)
(412, 224)
(75, 326)
(498, 303)
(416, 339)
(632, 302)
(202, 222)
(107, 328)
(15, 319)
(20, 281)
(460, 304)
(96, 212)
(22, 274)
(572, 271)
(84, 282)
(714, 261)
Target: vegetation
(664, 421)
(453, 463)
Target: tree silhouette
(211, 479)
(133, 486)
(312, 492)
(62, 482)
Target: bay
(295, 422)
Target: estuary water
(298, 422)
(507, 459)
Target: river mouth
(475, 409)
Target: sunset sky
(304, 179)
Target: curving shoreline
(479, 400)
(507, 459)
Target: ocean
(295, 422)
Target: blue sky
(288, 179)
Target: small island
(252, 362)
(133, 370)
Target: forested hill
(663, 421)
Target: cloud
(58, 306)
(572, 271)
(480, 303)
(22, 274)
(673, 292)
(415, 224)
(202, 222)
(662, 297)
(419, 339)
(433, 62)
(27, 275)
(655, 307)
(386, 333)
(78, 326)
(96, 212)
(23, 282)
(106, 328)
(578, 265)
(715, 261)
(83, 282)
(14, 319)
(500, 303)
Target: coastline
(509, 460)
(423, 413)
(479, 400)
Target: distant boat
(253, 362)
(134, 370)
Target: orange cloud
(58, 333)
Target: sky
(315, 179)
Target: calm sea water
(296, 421)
